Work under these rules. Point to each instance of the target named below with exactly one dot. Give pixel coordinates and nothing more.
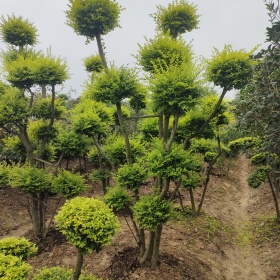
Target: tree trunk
(165, 189)
(165, 127)
(173, 133)
(124, 132)
(156, 246)
(34, 215)
(42, 212)
(79, 263)
(160, 126)
(275, 199)
(101, 51)
(149, 251)
(204, 189)
(192, 201)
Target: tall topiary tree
(93, 19)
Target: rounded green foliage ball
(151, 212)
(88, 223)
(117, 198)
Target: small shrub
(18, 247)
(12, 267)
(59, 273)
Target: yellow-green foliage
(59, 273)
(93, 63)
(18, 247)
(13, 107)
(151, 212)
(4, 175)
(17, 31)
(68, 184)
(179, 16)
(88, 223)
(131, 176)
(117, 198)
(93, 17)
(40, 128)
(12, 267)
(158, 54)
(258, 176)
(229, 69)
(29, 179)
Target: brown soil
(232, 239)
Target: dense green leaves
(131, 176)
(88, 223)
(151, 212)
(92, 17)
(29, 179)
(258, 176)
(13, 107)
(18, 247)
(68, 184)
(179, 16)
(158, 54)
(93, 63)
(59, 273)
(12, 267)
(175, 89)
(17, 31)
(229, 69)
(117, 198)
(114, 85)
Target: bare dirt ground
(234, 238)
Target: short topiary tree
(18, 247)
(88, 224)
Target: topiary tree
(228, 69)
(18, 247)
(92, 19)
(152, 212)
(88, 224)
(113, 86)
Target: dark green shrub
(151, 212)
(68, 184)
(258, 176)
(117, 198)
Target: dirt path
(242, 260)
